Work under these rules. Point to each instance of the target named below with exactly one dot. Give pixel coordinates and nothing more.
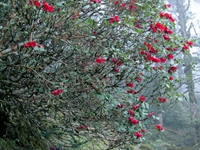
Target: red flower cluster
(171, 78)
(160, 28)
(159, 127)
(171, 49)
(167, 5)
(139, 79)
(96, 1)
(150, 48)
(100, 60)
(116, 70)
(143, 130)
(163, 100)
(52, 148)
(167, 15)
(187, 45)
(47, 7)
(138, 134)
(153, 59)
(57, 92)
(34, 2)
(114, 19)
(172, 69)
(170, 56)
(165, 37)
(142, 98)
(135, 107)
(116, 61)
(120, 105)
(131, 112)
(151, 114)
(133, 120)
(130, 84)
(131, 91)
(30, 44)
(82, 127)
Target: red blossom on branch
(151, 114)
(57, 92)
(30, 44)
(130, 84)
(142, 98)
(100, 60)
(131, 112)
(96, 1)
(47, 7)
(170, 56)
(135, 107)
(159, 127)
(114, 19)
(172, 69)
(162, 100)
(138, 134)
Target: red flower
(166, 37)
(169, 16)
(94, 32)
(171, 78)
(47, 7)
(163, 60)
(96, 1)
(131, 112)
(130, 118)
(138, 134)
(114, 60)
(134, 121)
(114, 19)
(160, 26)
(163, 100)
(170, 56)
(52, 148)
(123, 5)
(30, 44)
(154, 67)
(116, 70)
(161, 67)
(117, 3)
(136, 106)
(151, 114)
(143, 130)
(142, 98)
(159, 127)
(139, 79)
(131, 85)
(167, 5)
(172, 69)
(100, 60)
(162, 14)
(57, 92)
(82, 127)
(190, 43)
(119, 63)
(120, 105)
(131, 91)
(34, 2)
(185, 47)
(154, 59)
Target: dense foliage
(84, 70)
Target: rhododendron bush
(86, 69)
